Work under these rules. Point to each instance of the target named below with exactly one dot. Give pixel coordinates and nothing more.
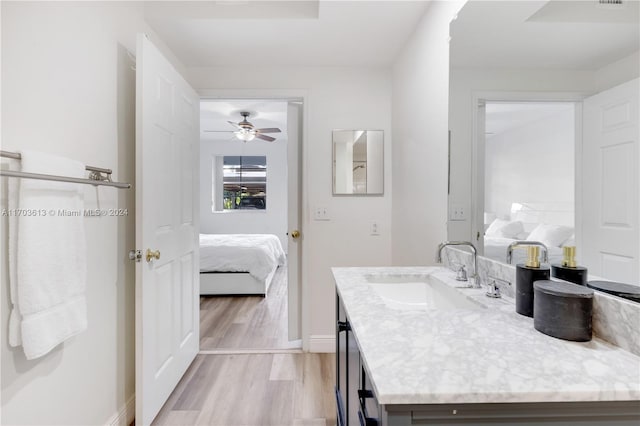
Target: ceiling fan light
(245, 135)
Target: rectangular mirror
(531, 157)
(358, 162)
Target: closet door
(167, 276)
(610, 159)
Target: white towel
(47, 256)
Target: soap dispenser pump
(569, 270)
(526, 274)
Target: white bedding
(496, 248)
(257, 254)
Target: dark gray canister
(563, 310)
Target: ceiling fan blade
(265, 137)
(234, 125)
(269, 130)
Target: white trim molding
(126, 415)
(325, 343)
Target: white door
(167, 288)
(294, 293)
(610, 231)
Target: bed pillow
(550, 235)
(501, 228)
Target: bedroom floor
(246, 322)
(285, 389)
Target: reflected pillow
(501, 228)
(550, 235)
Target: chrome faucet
(441, 246)
(545, 250)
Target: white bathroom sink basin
(419, 292)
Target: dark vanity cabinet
(357, 405)
(355, 399)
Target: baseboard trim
(250, 351)
(322, 343)
(126, 415)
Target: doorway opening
(249, 183)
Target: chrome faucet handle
(461, 274)
(494, 290)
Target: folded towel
(49, 257)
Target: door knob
(295, 234)
(155, 254)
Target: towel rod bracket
(100, 176)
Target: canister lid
(562, 289)
(626, 291)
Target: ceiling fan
(245, 131)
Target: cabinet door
(342, 381)
(353, 372)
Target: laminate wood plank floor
(246, 322)
(284, 389)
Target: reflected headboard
(551, 213)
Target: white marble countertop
(474, 356)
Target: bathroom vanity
(414, 348)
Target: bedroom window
(239, 183)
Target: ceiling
(215, 114)
(503, 116)
(544, 34)
(295, 33)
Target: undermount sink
(419, 292)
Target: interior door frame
(285, 95)
(479, 100)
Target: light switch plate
(321, 213)
(375, 228)
(457, 212)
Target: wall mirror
(509, 88)
(358, 162)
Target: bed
(549, 223)
(235, 264)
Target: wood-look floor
(281, 388)
(246, 322)
(287, 389)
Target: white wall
(272, 220)
(531, 163)
(69, 89)
(420, 109)
(337, 98)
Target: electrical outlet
(375, 230)
(457, 212)
(321, 213)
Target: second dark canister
(526, 274)
(569, 270)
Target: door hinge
(135, 255)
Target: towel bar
(98, 176)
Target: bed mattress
(257, 254)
